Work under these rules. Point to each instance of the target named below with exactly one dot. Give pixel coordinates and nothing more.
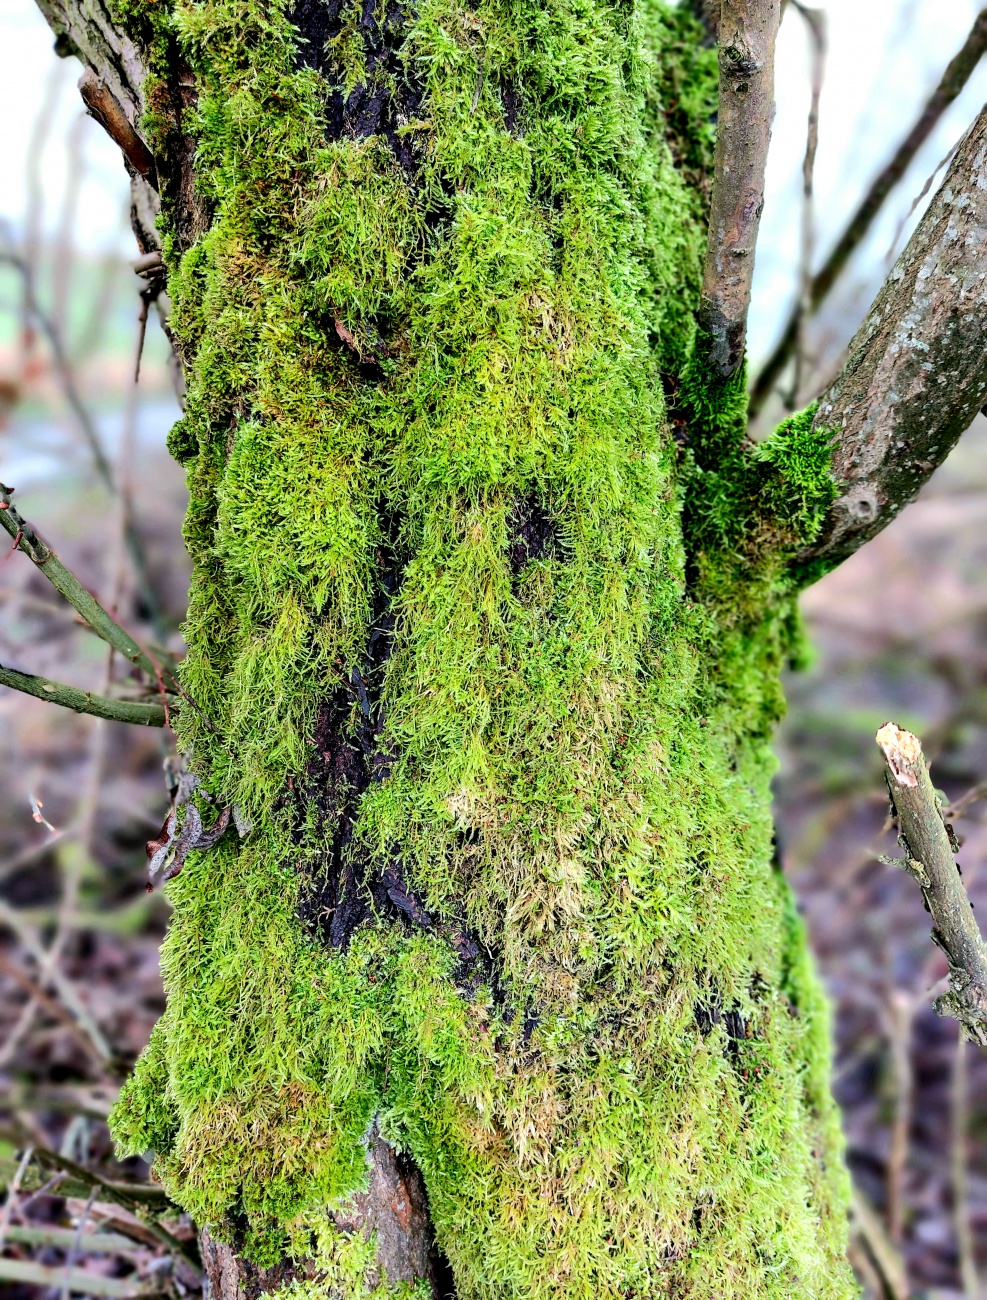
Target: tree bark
(392, 1212)
(916, 369)
(747, 31)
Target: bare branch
(70, 697)
(916, 371)
(929, 859)
(747, 33)
(952, 82)
(68, 585)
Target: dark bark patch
(349, 756)
(404, 899)
(513, 104)
(391, 94)
(231, 1277)
(366, 354)
(531, 533)
(712, 1012)
(173, 100)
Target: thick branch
(916, 371)
(70, 697)
(748, 29)
(69, 586)
(953, 80)
(930, 860)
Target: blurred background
(900, 631)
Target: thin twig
(48, 1187)
(64, 244)
(89, 1284)
(952, 82)
(71, 697)
(943, 162)
(959, 806)
(900, 1011)
(12, 1190)
(73, 1253)
(28, 854)
(929, 860)
(30, 941)
(63, 366)
(93, 1243)
(960, 1107)
(70, 388)
(68, 585)
(21, 977)
(884, 1256)
(747, 33)
(815, 21)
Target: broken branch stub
(929, 860)
(102, 105)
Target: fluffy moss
(396, 361)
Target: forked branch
(916, 370)
(747, 33)
(92, 612)
(929, 858)
(68, 585)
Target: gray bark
(916, 370)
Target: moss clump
(426, 409)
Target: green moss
(348, 1268)
(393, 362)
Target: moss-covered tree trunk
(497, 989)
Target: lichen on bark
(488, 661)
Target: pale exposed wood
(929, 859)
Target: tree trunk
(498, 990)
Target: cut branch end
(929, 858)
